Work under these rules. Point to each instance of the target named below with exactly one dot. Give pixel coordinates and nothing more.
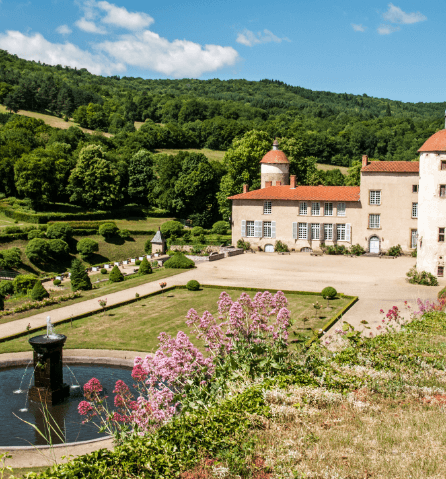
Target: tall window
(441, 235)
(328, 232)
(414, 210)
(315, 209)
(442, 191)
(414, 188)
(303, 231)
(340, 232)
(328, 209)
(440, 271)
(267, 229)
(250, 231)
(303, 208)
(341, 209)
(375, 197)
(267, 208)
(315, 231)
(374, 221)
(443, 165)
(413, 238)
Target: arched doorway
(269, 248)
(374, 245)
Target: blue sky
(389, 50)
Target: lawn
(142, 224)
(136, 326)
(214, 155)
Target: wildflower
(84, 408)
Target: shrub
(58, 248)
(116, 276)
(202, 239)
(329, 293)
(79, 277)
(280, 247)
(243, 244)
(11, 230)
(414, 253)
(170, 252)
(108, 230)
(197, 231)
(193, 285)
(59, 231)
(125, 234)
(441, 293)
(137, 262)
(196, 249)
(395, 251)
(170, 228)
(86, 247)
(148, 247)
(6, 288)
(36, 234)
(103, 271)
(336, 249)
(220, 227)
(421, 277)
(144, 268)
(155, 264)
(39, 292)
(10, 258)
(179, 261)
(37, 250)
(24, 282)
(357, 250)
(57, 282)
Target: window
(328, 232)
(315, 231)
(315, 209)
(443, 165)
(440, 235)
(413, 238)
(303, 231)
(374, 221)
(414, 188)
(442, 191)
(328, 209)
(340, 232)
(303, 208)
(250, 228)
(267, 208)
(341, 209)
(375, 197)
(414, 210)
(267, 229)
(440, 271)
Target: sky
(386, 50)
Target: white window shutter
(322, 233)
(294, 230)
(273, 229)
(347, 232)
(243, 228)
(308, 231)
(258, 229)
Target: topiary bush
(12, 230)
(193, 285)
(39, 292)
(108, 230)
(421, 277)
(179, 261)
(59, 231)
(170, 228)
(79, 277)
(6, 288)
(148, 247)
(57, 282)
(36, 234)
(220, 227)
(24, 283)
(10, 258)
(144, 268)
(37, 250)
(197, 231)
(329, 293)
(103, 271)
(116, 276)
(125, 234)
(87, 247)
(58, 248)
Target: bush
(441, 293)
(86, 247)
(57, 282)
(103, 271)
(329, 293)
(116, 276)
(170, 252)
(137, 262)
(36, 234)
(280, 247)
(11, 230)
(414, 253)
(395, 251)
(357, 250)
(155, 264)
(6, 288)
(24, 282)
(336, 249)
(37, 250)
(79, 277)
(39, 292)
(202, 239)
(170, 228)
(144, 268)
(108, 230)
(10, 258)
(196, 249)
(179, 261)
(58, 248)
(243, 244)
(59, 231)
(421, 277)
(193, 285)
(148, 247)
(220, 227)
(125, 234)
(197, 231)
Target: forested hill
(334, 128)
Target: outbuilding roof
(274, 156)
(437, 142)
(158, 238)
(393, 166)
(302, 193)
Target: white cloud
(180, 58)
(358, 28)
(249, 38)
(35, 47)
(89, 26)
(396, 15)
(63, 30)
(120, 17)
(387, 29)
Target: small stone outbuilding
(158, 243)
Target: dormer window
(267, 208)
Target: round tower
(274, 168)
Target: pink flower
(84, 408)
(93, 386)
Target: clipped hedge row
(4, 238)
(79, 225)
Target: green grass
(143, 224)
(214, 155)
(136, 326)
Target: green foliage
(220, 227)
(414, 253)
(103, 271)
(36, 234)
(10, 258)
(148, 247)
(125, 234)
(39, 292)
(59, 231)
(280, 247)
(202, 239)
(197, 231)
(144, 267)
(357, 250)
(137, 262)
(171, 252)
(336, 249)
(10, 230)
(243, 244)
(6, 288)
(421, 277)
(353, 177)
(87, 247)
(37, 250)
(58, 248)
(108, 230)
(395, 251)
(141, 176)
(170, 228)
(329, 293)
(57, 282)
(179, 261)
(24, 283)
(441, 294)
(115, 275)
(193, 285)
(80, 281)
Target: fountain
(49, 386)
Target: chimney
(293, 181)
(245, 188)
(268, 184)
(278, 183)
(365, 160)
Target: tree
(170, 228)
(58, 248)
(39, 292)
(87, 247)
(79, 277)
(37, 250)
(220, 227)
(301, 166)
(115, 275)
(144, 267)
(94, 182)
(59, 231)
(140, 176)
(353, 177)
(148, 246)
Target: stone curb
(124, 363)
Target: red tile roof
(321, 193)
(275, 156)
(393, 166)
(437, 142)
